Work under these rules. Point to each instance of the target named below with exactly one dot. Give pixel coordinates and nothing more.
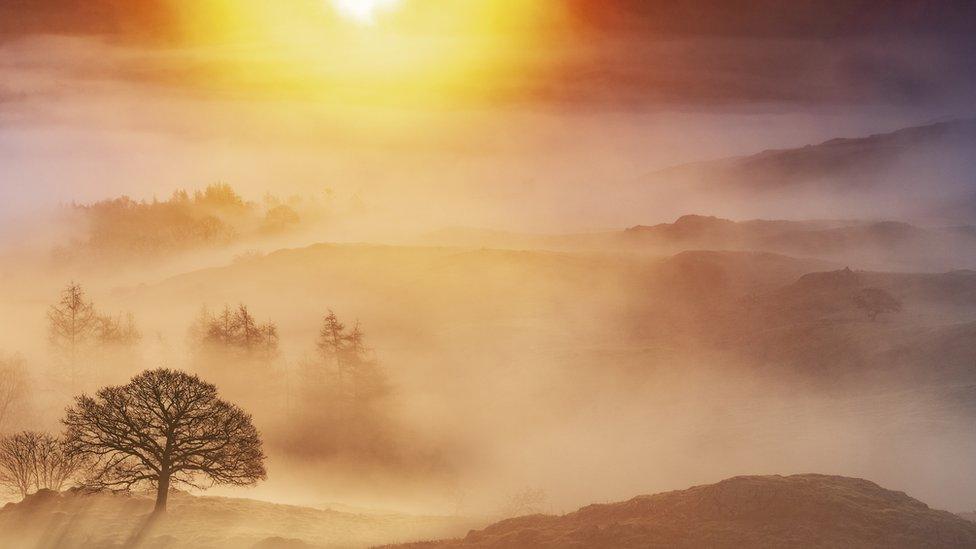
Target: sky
(469, 104)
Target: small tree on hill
(164, 427)
(875, 301)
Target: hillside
(765, 308)
(757, 511)
(74, 520)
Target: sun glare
(367, 52)
(362, 11)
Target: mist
(490, 263)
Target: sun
(362, 11)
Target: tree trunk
(162, 492)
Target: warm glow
(368, 52)
(363, 11)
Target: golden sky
(473, 102)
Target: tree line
(338, 385)
(214, 216)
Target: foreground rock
(766, 511)
(74, 520)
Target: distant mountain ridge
(839, 156)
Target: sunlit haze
(352, 273)
(363, 11)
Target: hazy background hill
(916, 173)
(888, 245)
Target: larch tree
(331, 337)
(357, 379)
(164, 428)
(71, 325)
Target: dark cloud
(794, 19)
(135, 20)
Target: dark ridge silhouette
(753, 511)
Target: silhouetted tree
(876, 301)
(30, 461)
(15, 465)
(235, 330)
(164, 427)
(246, 333)
(220, 329)
(331, 337)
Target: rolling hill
(757, 511)
(78, 520)
(890, 245)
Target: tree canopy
(164, 427)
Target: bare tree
(164, 427)
(31, 461)
(16, 468)
(235, 330)
(13, 388)
(54, 465)
(119, 331)
(269, 339)
(247, 333)
(876, 301)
